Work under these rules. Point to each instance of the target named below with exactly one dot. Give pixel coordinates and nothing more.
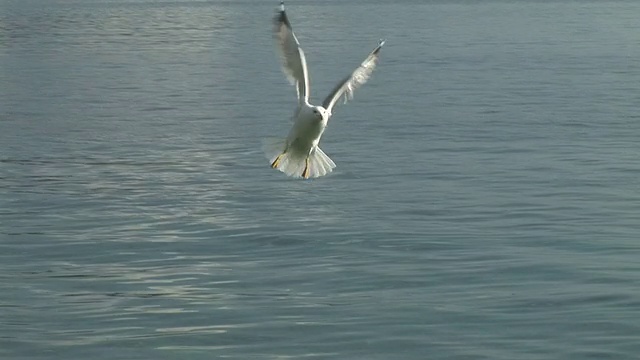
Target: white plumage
(299, 155)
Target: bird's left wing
(360, 76)
(294, 63)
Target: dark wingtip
(281, 16)
(377, 49)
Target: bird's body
(299, 155)
(308, 127)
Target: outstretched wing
(360, 76)
(294, 63)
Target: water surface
(485, 203)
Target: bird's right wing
(360, 76)
(294, 63)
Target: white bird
(299, 155)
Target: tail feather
(321, 163)
(296, 164)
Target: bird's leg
(276, 162)
(305, 172)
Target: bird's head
(320, 112)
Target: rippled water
(485, 206)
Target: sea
(485, 204)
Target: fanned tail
(321, 164)
(295, 164)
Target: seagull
(298, 155)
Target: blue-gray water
(486, 203)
